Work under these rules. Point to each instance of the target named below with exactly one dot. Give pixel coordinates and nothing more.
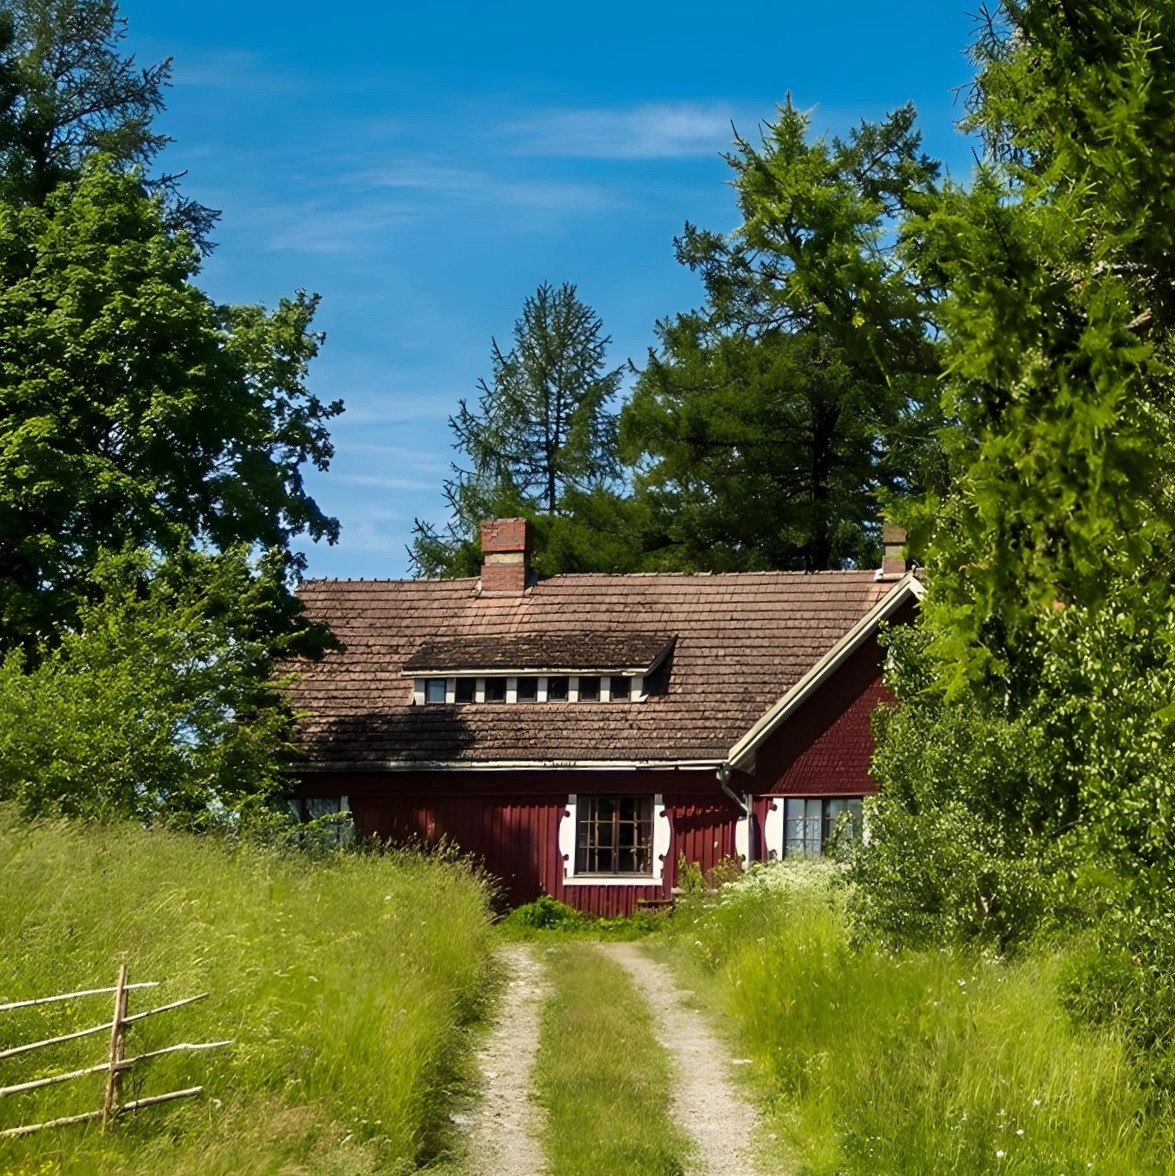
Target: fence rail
(116, 1063)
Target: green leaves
(132, 408)
(541, 436)
(1036, 701)
(158, 705)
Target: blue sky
(425, 168)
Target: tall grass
(601, 1073)
(345, 985)
(929, 1062)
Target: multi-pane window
(809, 822)
(529, 688)
(614, 835)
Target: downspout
(745, 805)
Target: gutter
(745, 805)
(505, 765)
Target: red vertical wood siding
(510, 821)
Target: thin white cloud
(468, 185)
(378, 482)
(365, 206)
(234, 70)
(652, 131)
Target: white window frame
(775, 826)
(662, 842)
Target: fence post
(117, 1050)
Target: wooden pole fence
(40, 1000)
(116, 1062)
(19, 1049)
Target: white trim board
(908, 588)
(508, 766)
(662, 843)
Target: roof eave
(507, 765)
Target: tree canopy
(134, 411)
(1031, 761)
(769, 421)
(68, 92)
(152, 448)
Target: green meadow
(870, 1062)
(348, 985)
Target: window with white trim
(530, 688)
(614, 840)
(810, 823)
(614, 835)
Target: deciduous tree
(135, 411)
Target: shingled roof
(741, 642)
(566, 653)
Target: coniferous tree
(769, 420)
(541, 440)
(68, 91)
(1028, 778)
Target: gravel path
(504, 1133)
(706, 1102)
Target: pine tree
(541, 436)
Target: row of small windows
(538, 688)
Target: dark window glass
(495, 690)
(614, 835)
(528, 689)
(621, 688)
(589, 689)
(466, 689)
(810, 822)
(434, 690)
(556, 689)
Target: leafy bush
(159, 705)
(545, 914)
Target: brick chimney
(893, 563)
(505, 546)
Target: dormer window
(538, 668)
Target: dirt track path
(706, 1102)
(504, 1134)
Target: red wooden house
(584, 732)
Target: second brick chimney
(505, 547)
(893, 564)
